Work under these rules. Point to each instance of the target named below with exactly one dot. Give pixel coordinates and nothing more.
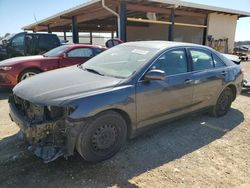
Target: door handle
(188, 81)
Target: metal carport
(119, 15)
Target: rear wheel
(223, 103)
(102, 137)
(27, 74)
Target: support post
(123, 21)
(49, 29)
(64, 36)
(112, 34)
(75, 34)
(171, 26)
(91, 37)
(204, 42)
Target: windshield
(121, 61)
(56, 51)
(7, 38)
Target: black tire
(32, 72)
(102, 137)
(223, 103)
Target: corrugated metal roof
(63, 13)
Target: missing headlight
(54, 112)
(70, 110)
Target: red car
(17, 69)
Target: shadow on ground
(4, 93)
(246, 92)
(148, 151)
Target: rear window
(47, 42)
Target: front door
(159, 100)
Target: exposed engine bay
(44, 129)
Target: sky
(14, 14)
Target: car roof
(84, 45)
(162, 44)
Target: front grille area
(37, 113)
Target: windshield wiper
(93, 71)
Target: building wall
(160, 31)
(152, 32)
(222, 26)
(188, 34)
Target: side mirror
(65, 55)
(155, 75)
(113, 42)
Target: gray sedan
(95, 107)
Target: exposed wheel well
(28, 69)
(233, 88)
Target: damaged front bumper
(48, 138)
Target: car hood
(60, 87)
(16, 60)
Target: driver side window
(172, 62)
(81, 52)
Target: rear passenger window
(47, 42)
(217, 62)
(172, 62)
(202, 60)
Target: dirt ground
(197, 151)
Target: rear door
(208, 73)
(77, 56)
(159, 100)
(29, 45)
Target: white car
(236, 59)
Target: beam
(75, 34)
(148, 21)
(83, 29)
(65, 17)
(101, 13)
(161, 10)
(171, 26)
(91, 37)
(64, 36)
(205, 32)
(164, 22)
(49, 29)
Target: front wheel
(102, 137)
(27, 74)
(223, 103)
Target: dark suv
(23, 44)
